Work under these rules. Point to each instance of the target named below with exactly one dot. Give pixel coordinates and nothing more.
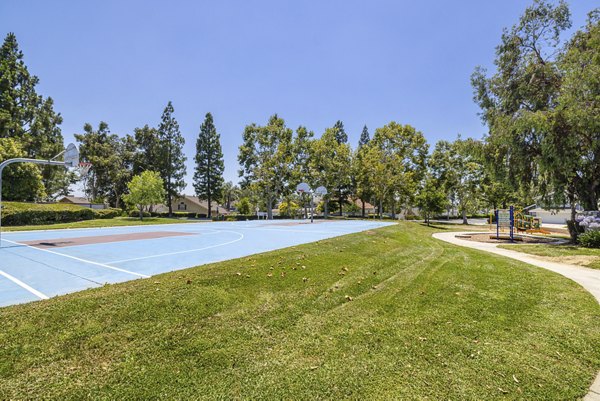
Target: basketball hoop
(302, 188)
(82, 169)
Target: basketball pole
(25, 160)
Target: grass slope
(562, 253)
(391, 313)
(116, 222)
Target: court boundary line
(81, 260)
(27, 287)
(186, 251)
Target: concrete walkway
(587, 278)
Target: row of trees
(115, 160)
(29, 127)
(542, 108)
(541, 105)
(393, 169)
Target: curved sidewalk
(587, 278)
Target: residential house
(80, 201)
(193, 204)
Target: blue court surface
(41, 264)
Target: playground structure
(523, 223)
(529, 224)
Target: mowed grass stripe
(390, 313)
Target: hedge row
(109, 213)
(12, 216)
(136, 213)
(21, 213)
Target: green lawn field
(386, 314)
(572, 254)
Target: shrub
(136, 213)
(110, 213)
(590, 239)
(19, 214)
(243, 206)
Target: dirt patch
(519, 239)
(579, 260)
(100, 239)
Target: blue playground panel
(30, 273)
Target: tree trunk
(169, 200)
(448, 213)
(305, 211)
(464, 216)
(270, 208)
(380, 209)
(341, 203)
(394, 209)
(363, 208)
(141, 213)
(326, 211)
(572, 224)
(590, 202)
(209, 215)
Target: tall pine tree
(172, 160)
(340, 132)
(26, 116)
(208, 177)
(364, 137)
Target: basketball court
(38, 265)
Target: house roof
(358, 203)
(204, 204)
(75, 199)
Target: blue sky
(312, 62)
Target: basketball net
(82, 169)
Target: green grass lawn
(562, 253)
(116, 222)
(387, 314)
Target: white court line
(25, 286)
(186, 251)
(277, 229)
(80, 259)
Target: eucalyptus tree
(430, 198)
(112, 160)
(171, 158)
(147, 154)
(459, 171)
(208, 176)
(572, 145)
(98, 147)
(398, 158)
(330, 163)
(301, 171)
(267, 156)
(517, 99)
